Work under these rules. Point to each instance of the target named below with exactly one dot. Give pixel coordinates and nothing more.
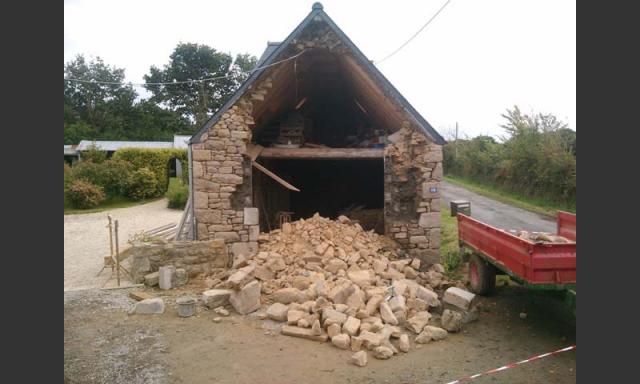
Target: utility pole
(456, 141)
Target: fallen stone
(451, 320)
(216, 319)
(459, 298)
(370, 340)
(398, 303)
(373, 304)
(417, 304)
(382, 353)
(246, 300)
(330, 316)
(387, 315)
(333, 329)
(289, 295)
(221, 311)
(351, 326)
(305, 333)
(304, 323)
(403, 343)
(418, 322)
(410, 273)
(241, 277)
(342, 341)
(277, 312)
(356, 344)
(359, 358)
(415, 264)
(436, 332)
(216, 297)
(362, 278)
(430, 297)
(152, 279)
(263, 273)
(334, 265)
(316, 328)
(438, 268)
(148, 307)
(379, 266)
(180, 277)
(294, 316)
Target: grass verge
(449, 248)
(537, 205)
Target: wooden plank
(253, 150)
(322, 153)
(140, 295)
(275, 177)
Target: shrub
(67, 175)
(143, 184)
(93, 154)
(156, 160)
(112, 175)
(83, 194)
(178, 194)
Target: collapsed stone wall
(195, 257)
(223, 206)
(412, 175)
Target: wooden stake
(117, 256)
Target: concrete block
(164, 276)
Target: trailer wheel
(482, 275)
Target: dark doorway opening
(330, 187)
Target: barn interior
(323, 124)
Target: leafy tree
(197, 100)
(96, 103)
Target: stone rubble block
(246, 300)
(216, 297)
(459, 298)
(148, 307)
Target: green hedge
(156, 160)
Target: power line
(415, 34)
(182, 82)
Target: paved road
(497, 214)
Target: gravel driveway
(495, 213)
(86, 239)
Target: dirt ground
(86, 239)
(103, 344)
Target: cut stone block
(152, 279)
(214, 298)
(277, 312)
(251, 216)
(359, 358)
(247, 300)
(164, 277)
(149, 307)
(459, 298)
(305, 333)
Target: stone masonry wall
(222, 181)
(194, 256)
(413, 171)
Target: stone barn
(317, 128)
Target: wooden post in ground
(117, 256)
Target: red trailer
(533, 264)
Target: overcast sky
(476, 59)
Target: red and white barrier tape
(468, 378)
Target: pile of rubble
(541, 237)
(331, 280)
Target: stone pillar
(413, 171)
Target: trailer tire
(482, 275)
